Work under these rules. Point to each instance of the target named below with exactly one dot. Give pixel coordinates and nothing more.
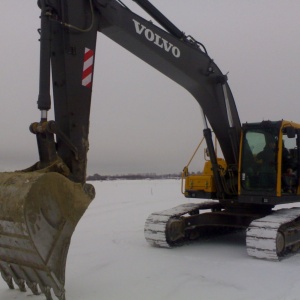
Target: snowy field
(109, 258)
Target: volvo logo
(156, 39)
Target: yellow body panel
(205, 181)
(200, 183)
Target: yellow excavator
(41, 205)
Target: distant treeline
(133, 176)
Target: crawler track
(271, 237)
(275, 235)
(156, 226)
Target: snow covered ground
(109, 258)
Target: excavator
(40, 206)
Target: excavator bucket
(38, 215)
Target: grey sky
(141, 121)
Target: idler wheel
(280, 243)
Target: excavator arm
(184, 60)
(68, 42)
(41, 206)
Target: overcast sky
(140, 120)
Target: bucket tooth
(47, 292)
(7, 278)
(33, 287)
(38, 215)
(17, 279)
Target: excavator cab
(269, 162)
(268, 167)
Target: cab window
(259, 160)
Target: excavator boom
(181, 59)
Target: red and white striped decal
(88, 65)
